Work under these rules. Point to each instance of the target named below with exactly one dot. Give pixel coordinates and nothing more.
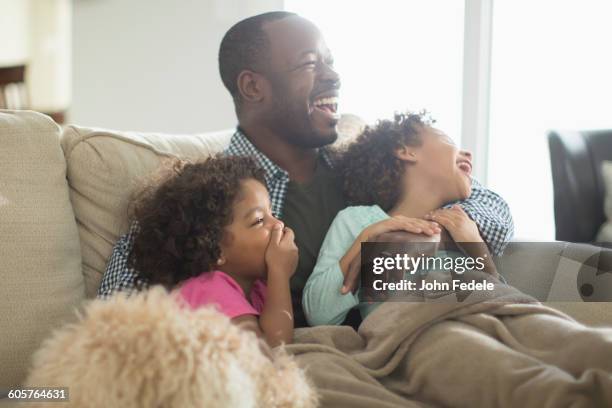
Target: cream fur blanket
(503, 350)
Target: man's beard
(292, 121)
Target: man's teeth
(326, 101)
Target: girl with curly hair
(206, 230)
(398, 175)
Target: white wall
(152, 64)
(14, 32)
(48, 76)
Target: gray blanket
(500, 349)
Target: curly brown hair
(370, 170)
(181, 213)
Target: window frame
(477, 49)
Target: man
(280, 74)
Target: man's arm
(492, 216)
(118, 275)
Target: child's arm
(276, 319)
(466, 235)
(327, 297)
(275, 324)
(492, 216)
(396, 223)
(322, 301)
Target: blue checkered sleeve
(492, 215)
(119, 277)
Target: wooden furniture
(13, 90)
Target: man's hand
(282, 253)
(458, 224)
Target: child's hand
(458, 224)
(400, 223)
(463, 229)
(281, 254)
(395, 223)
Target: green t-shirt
(309, 210)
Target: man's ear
(407, 153)
(251, 86)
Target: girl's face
(245, 240)
(443, 165)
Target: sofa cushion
(40, 257)
(104, 168)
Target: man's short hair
(244, 46)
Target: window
(395, 55)
(551, 69)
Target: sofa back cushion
(40, 258)
(104, 168)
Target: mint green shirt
(322, 301)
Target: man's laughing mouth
(327, 104)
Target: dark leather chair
(578, 185)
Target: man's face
(304, 86)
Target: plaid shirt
(486, 208)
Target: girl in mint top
(401, 175)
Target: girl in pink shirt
(206, 229)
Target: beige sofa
(63, 204)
